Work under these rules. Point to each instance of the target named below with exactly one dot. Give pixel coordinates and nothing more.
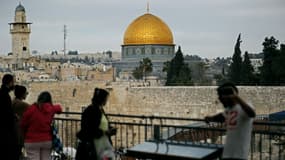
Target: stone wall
(193, 102)
(62, 92)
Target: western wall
(190, 102)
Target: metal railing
(267, 141)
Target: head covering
(100, 96)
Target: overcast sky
(208, 28)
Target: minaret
(20, 31)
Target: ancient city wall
(191, 102)
(63, 92)
(194, 102)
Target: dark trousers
(86, 151)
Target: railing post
(145, 130)
(260, 147)
(156, 132)
(270, 145)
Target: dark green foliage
(137, 73)
(241, 72)
(278, 65)
(144, 68)
(270, 50)
(236, 65)
(178, 73)
(247, 76)
(166, 66)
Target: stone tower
(20, 31)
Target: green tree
(184, 77)
(279, 65)
(247, 75)
(144, 68)
(236, 64)
(270, 51)
(178, 73)
(137, 73)
(166, 66)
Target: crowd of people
(26, 128)
(27, 132)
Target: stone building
(67, 72)
(146, 37)
(100, 75)
(20, 30)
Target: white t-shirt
(239, 127)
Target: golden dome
(148, 29)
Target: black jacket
(90, 122)
(8, 133)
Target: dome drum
(154, 52)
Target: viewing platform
(157, 137)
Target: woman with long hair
(36, 126)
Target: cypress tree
(247, 76)
(178, 73)
(236, 65)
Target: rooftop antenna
(64, 39)
(147, 7)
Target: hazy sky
(208, 28)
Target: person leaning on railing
(94, 136)
(238, 116)
(36, 127)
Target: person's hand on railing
(112, 131)
(207, 119)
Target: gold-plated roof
(148, 29)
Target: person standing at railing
(94, 137)
(9, 135)
(19, 106)
(238, 116)
(36, 126)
